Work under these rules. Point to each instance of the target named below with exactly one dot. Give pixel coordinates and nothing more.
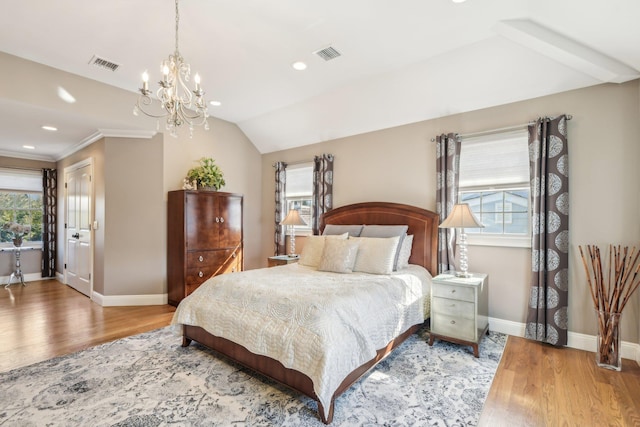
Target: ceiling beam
(566, 51)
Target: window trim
(503, 239)
(37, 244)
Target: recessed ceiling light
(50, 128)
(215, 103)
(65, 96)
(299, 66)
(29, 147)
(458, 1)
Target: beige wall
(398, 165)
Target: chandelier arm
(144, 101)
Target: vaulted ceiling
(400, 61)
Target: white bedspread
(322, 324)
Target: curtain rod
(299, 162)
(499, 130)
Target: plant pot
(608, 352)
(17, 242)
(207, 189)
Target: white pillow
(312, 249)
(405, 252)
(338, 256)
(387, 231)
(376, 255)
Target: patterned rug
(150, 380)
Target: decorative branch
(610, 296)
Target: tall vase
(608, 354)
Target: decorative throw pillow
(405, 252)
(353, 230)
(312, 249)
(376, 255)
(387, 231)
(338, 256)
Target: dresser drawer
(463, 293)
(452, 326)
(195, 276)
(454, 308)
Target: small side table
(282, 260)
(460, 309)
(17, 273)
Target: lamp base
(463, 274)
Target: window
(494, 181)
(21, 202)
(299, 194)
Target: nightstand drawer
(453, 326)
(463, 293)
(455, 308)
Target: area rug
(150, 380)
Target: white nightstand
(460, 309)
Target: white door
(78, 229)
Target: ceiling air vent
(328, 53)
(103, 63)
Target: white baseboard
(30, 277)
(126, 300)
(574, 339)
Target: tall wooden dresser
(204, 239)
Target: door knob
(76, 236)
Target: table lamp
(293, 218)
(462, 217)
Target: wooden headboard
(423, 224)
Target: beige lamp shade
(461, 217)
(293, 218)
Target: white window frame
(300, 230)
(499, 239)
(21, 181)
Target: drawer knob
(453, 291)
(221, 219)
(217, 219)
(200, 274)
(200, 258)
(453, 322)
(233, 270)
(233, 255)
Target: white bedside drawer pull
(200, 274)
(217, 219)
(200, 258)
(221, 219)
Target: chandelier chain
(177, 23)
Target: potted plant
(207, 176)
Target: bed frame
(422, 224)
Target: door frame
(81, 164)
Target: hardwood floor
(539, 385)
(536, 384)
(46, 319)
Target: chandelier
(178, 103)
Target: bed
(198, 322)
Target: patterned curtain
(49, 219)
(548, 300)
(281, 186)
(322, 189)
(448, 172)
